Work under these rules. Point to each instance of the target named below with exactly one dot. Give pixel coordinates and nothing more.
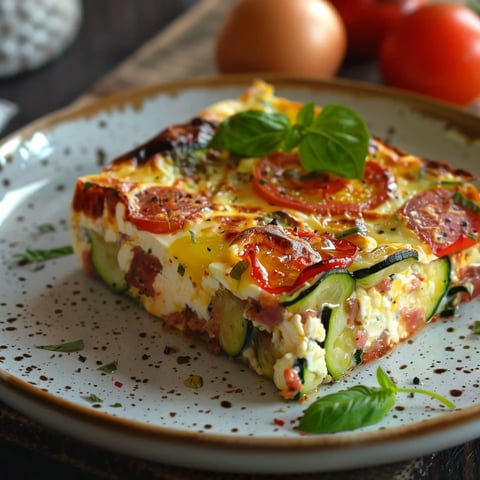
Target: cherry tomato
(367, 21)
(280, 179)
(283, 259)
(301, 37)
(164, 209)
(441, 222)
(435, 51)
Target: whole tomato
(435, 51)
(367, 21)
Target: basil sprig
(358, 406)
(334, 141)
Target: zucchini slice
(235, 331)
(437, 274)
(340, 348)
(332, 288)
(328, 296)
(388, 265)
(104, 257)
(264, 352)
(308, 379)
(453, 297)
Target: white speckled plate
(235, 421)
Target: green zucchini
(332, 288)
(341, 352)
(380, 268)
(453, 297)
(104, 256)
(235, 331)
(308, 379)
(437, 274)
(328, 296)
(264, 352)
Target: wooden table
(123, 44)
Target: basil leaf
(306, 115)
(238, 269)
(336, 142)
(253, 133)
(384, 380)
(356, 407)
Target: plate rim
(467, 122)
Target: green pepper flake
(108, 367)
(193, 381)
(116, 405)
(238, 269)
(68, 347)
(476, 327)
(192, 236)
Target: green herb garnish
(334, 141)
(181, 269)
(108, 367)
(45, 228)
(68, 347)
(34, 256)
(348, 232)
(358, 406)
(476, 327)
(95, 399)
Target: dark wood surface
(111, 31)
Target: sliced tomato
(164, 209)
(283, 259)
(280, 179)
(440, 222)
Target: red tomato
(440, 222)
(164, 209)
(367, 21)
(435, 51)
(282, 260)
(280, 179)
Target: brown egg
(300, 37)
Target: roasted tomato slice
(164, 209)
(283, 259)
(280, 179)
(445, 225)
